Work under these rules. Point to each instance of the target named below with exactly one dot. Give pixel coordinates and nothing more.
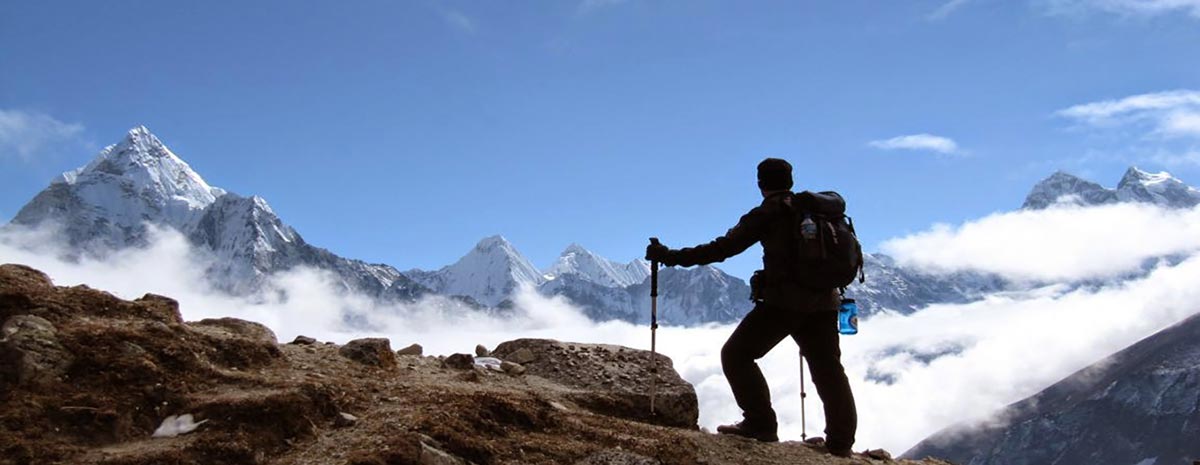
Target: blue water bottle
(848, 317)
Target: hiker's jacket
(771, 223)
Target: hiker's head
(774, 174)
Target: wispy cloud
(1125, 7)
(919, 142)
(25, 135)
(1172, 113)
(459, 21)
(947, 9)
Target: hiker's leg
(758, 332)
(817, 336)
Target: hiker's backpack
(828, 254)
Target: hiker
(784, 307)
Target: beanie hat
(774, 174)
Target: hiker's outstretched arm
(748, 231)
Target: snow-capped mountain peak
(594, 268)
(1063, 187)
(1158, 188)
(143, 164)
(106, 203)
(489, 273)
(1135, 175)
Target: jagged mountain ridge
(494, 269)
(109, 204)
(106, 204)
(580, 261)
(1137, 406)
(1135, 186)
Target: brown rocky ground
(86, 378)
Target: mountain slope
(1138, 406)
(111, 203)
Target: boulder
(30, 352)
(879, 454)
(610, 380)
(481, 351)
(512, 368)
(372, 351)
(522, 356)
(304, 341)
(238, 328)
(414, 349)
(459, 361)
(240, 343)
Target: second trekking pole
(803, 395)
(653, 328)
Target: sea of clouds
(911, 375)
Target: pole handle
(654, 271)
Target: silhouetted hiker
(784, 308)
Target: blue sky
(403, 132)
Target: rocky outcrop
(89, 379)
(611, 379)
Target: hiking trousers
(816, 334)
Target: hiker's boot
(747, 430)
(839, 452)
(818, 443)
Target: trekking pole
(653, 328)
(803, 395)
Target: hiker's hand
(656, 252)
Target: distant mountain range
(109, 203)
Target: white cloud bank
(24, 135)
(1167, 114)
(920, 142)
(1065, 243)
(911, 375)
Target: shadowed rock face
(1138, 404)
(612, 379)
